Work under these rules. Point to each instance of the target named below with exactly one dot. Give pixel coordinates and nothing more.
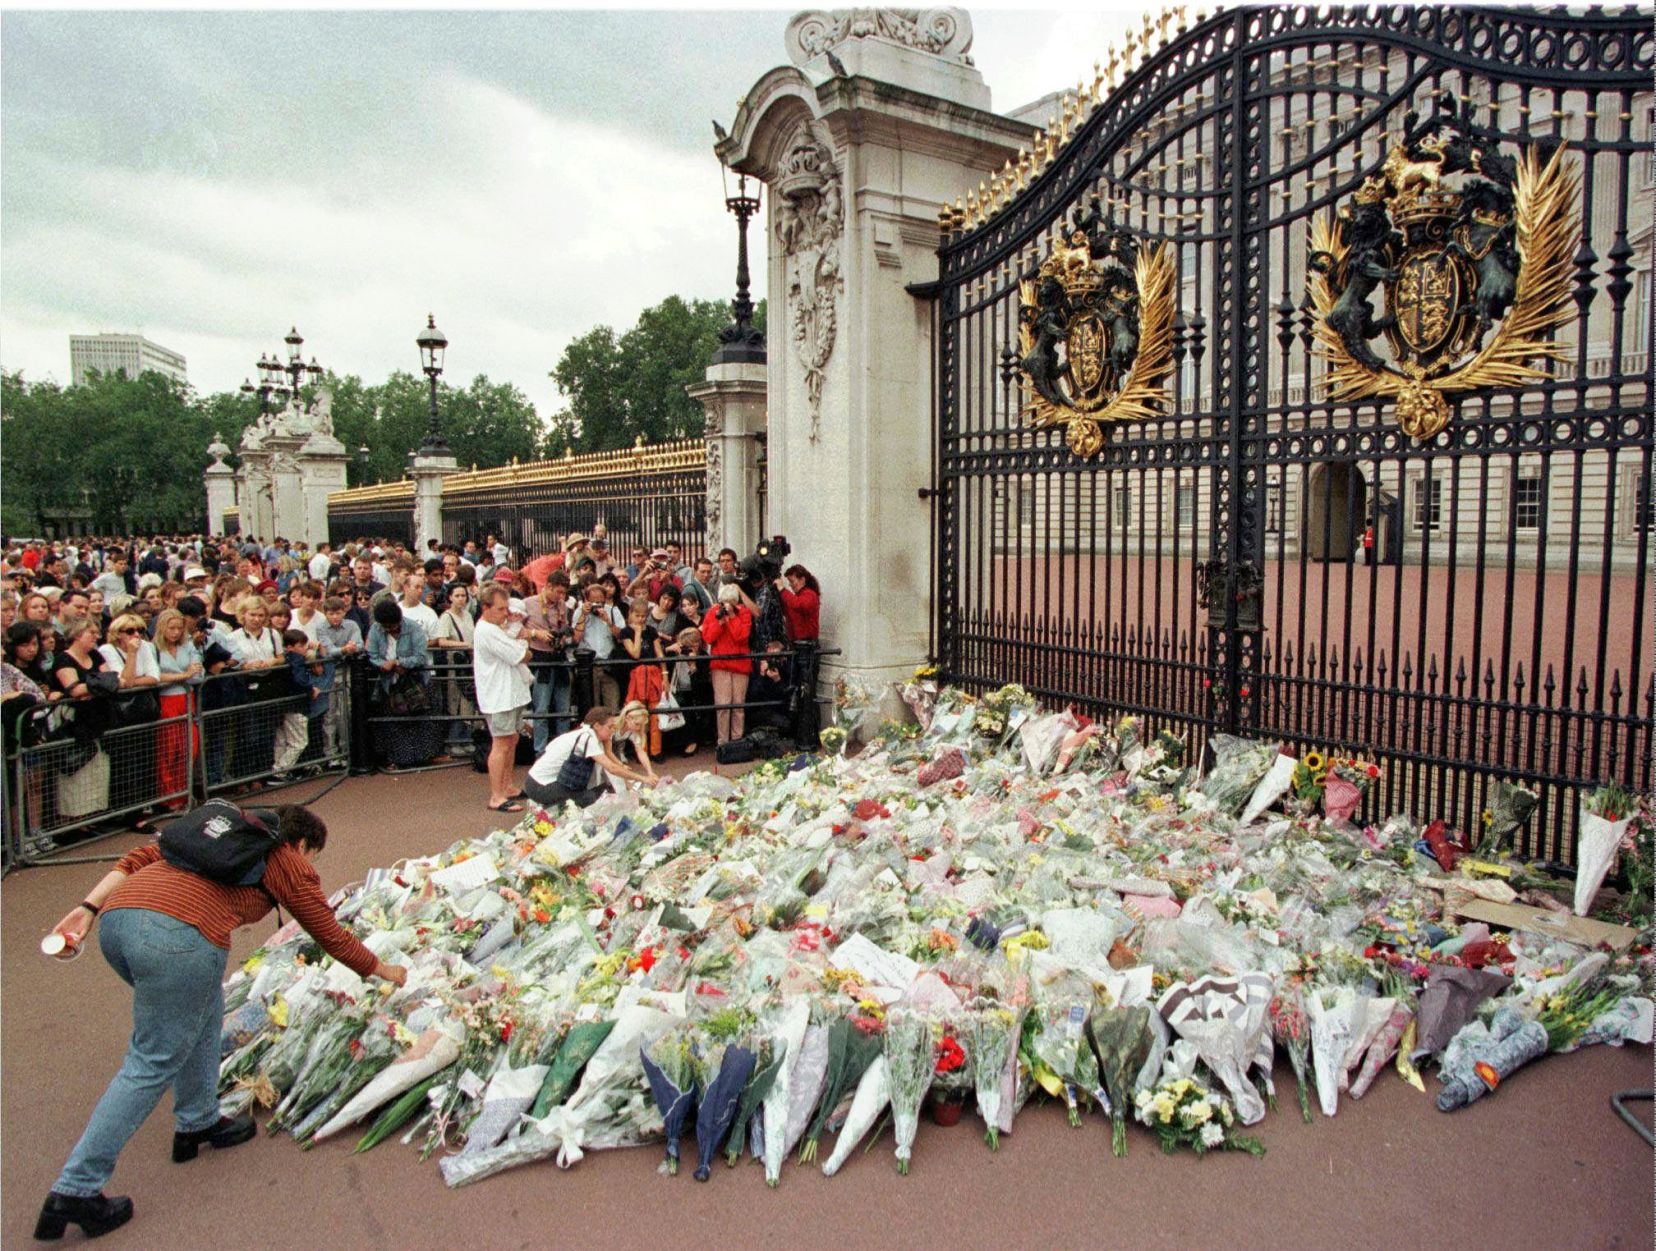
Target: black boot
(229, 1132)
(95, 1214)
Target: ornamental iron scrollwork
(1454, 263)
(1095, 331)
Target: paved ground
(1544, 1163)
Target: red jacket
(803, 611)
(728, 636)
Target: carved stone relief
(942, 32)
(810, 220)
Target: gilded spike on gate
(1110, 63)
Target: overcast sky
(210, 178)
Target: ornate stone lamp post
(433, 461)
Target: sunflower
(1313, 761)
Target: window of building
(1528, 500)
(1026, 503)
(1184, 504)
(1644, 507)
(1428, 503)
(1123, 496)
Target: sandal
(691, 750)
(511, 805)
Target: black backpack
(222, 842)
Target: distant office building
(130, 352)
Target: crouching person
(579, 765)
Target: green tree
(591, 374)
(131, 449)
(622, 387)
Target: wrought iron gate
(1259, 557)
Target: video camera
(768, 557)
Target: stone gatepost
(428, 471)
(734, 398)
(879, 122)
(220, 481)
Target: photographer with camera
(727, 631)
(548, 614)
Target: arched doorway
(1336, 502)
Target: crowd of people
(137, 656)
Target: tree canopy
(620, 387)
(137, 446)
(131, 450)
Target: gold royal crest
(1454, 264)
(1095, 332)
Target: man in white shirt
(500, 667)
(595, 624)
(412, 601)
(321, 562)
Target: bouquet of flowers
(1238, 765)
(1331, 1010)
(1605, 815)
(1510, 806)
(910, 1039)
(1184, 1114)
(993, 1030)
(670, 1067)
(1567, 1014)
(1121, 1040)
(1061, 1059)
(1290, 1027)
(1347, 780)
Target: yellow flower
(1313, 761)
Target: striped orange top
(216, 909)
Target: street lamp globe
(294, 341)
(432, 344)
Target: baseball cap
(660, 553)
(193, 572)
(503, 574)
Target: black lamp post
(282, 379)
(739, 341)
(362, 465)
(432, 345)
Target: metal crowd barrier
(574, 673)
(78, 776)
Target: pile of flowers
(989, 902)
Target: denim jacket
(411, 648)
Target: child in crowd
(293, 731)
(338, 636)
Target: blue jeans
(550, 693)
(177, 980)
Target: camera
(765, 565)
